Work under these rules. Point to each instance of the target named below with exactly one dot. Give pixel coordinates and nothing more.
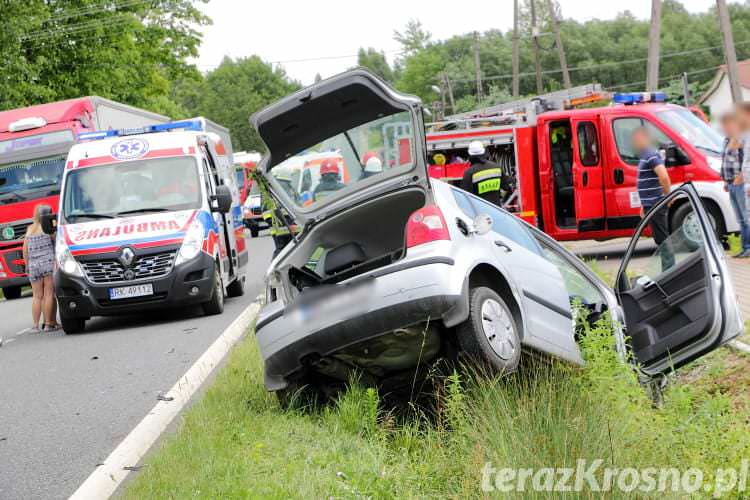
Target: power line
(664, 78)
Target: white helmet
(476, 148)
(374, 165)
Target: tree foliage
(376, 62)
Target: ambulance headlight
(65, 260)
(192, 244)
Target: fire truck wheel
(236, 288)
(12, 292)
(215, 304)
(490, 334)
(72, 326)
(684, 217)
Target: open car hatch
(679, 302)
(340, 142)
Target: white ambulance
(148, 218)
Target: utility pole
(516, 84)
(477, 66)
(686, 89)
(729, 52)
(450, 92)
(654, 47)
(535, 38)
(558, 42)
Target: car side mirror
(222, 199)
(49, 223)
(674, 156)
(482, 224)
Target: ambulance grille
(146, 267)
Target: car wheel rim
(498, 327)
(691, 228)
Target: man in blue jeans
(731, 173)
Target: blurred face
(641, 140)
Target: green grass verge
(237, 443)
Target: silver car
(393, 270)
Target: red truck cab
(575, 170)
(34, 143)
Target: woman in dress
(39, 254)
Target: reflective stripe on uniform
(483, 175)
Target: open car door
(678, 300)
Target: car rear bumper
(402, 295)
(78, 298)
(14, 282)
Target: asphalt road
(66, 401)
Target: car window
(463, 203)
(506, 224)
(579, 287)
(623, 130)
(588, 144)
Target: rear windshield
(132, 188)
(347, 160)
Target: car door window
(463, 203)
(506, 224)
(588, 144)
(578, 285)
(623, 130)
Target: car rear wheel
(490, 334)
(215, 304)
(300, 395)
(12, 292)
(72, 326)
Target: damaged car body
(392, 270)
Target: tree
(234, 91)
(125, 50)
(413, 38)
(376, 62)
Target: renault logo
(127, 256)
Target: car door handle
(503, 245)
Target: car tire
(682, 212)
(12, 292)
(236, 288)
(215, 305)
(300, 395)
(71, 326)
(490, 334)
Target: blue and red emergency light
(187, 125)
(638, 97)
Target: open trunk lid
(340, 142)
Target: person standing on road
(39, 255)
(731, 173)
(483, 178)
(653, 185)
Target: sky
(331, 31)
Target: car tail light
(425, 225)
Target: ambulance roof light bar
(195, 125)
(628, 98)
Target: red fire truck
(34, 143)
(574, 169)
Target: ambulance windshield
(131, 188)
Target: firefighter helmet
(476, 148)
(329, 166)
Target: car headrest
(344, 257)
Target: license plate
(128, 292)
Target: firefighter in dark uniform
(484, 178)
(279, 230)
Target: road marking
(107, 477)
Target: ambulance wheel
(236, 288)
(12, 292)
(215, 304)
(490, 335)
(71, 326)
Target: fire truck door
(588, 178)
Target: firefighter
(373, 166)
(329, 179)
(484, 178)
(279, 229)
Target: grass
(238, 443)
